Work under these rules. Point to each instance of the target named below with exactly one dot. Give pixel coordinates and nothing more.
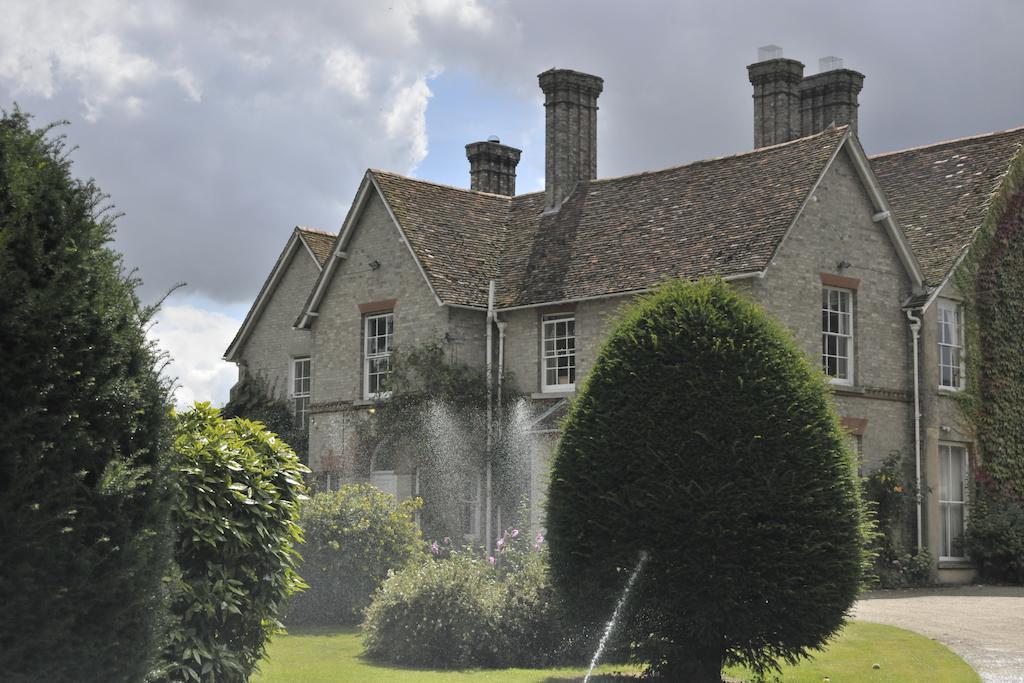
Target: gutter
(915, 329)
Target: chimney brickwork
(776, 100)
(570, 147)
(829, 97)
(492, 167)
(789, 105)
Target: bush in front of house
(994, 537)
(442, 613)
(889, 498)
(353, 537)
(84, 430)
(704, 439)
(459, 609)
(239, 489)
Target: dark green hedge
(83, 430)
(704, 437)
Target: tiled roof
(456, 234)
(940, 193)
(722, 216)
(319, 242)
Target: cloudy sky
(218, 126)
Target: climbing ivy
(991, 280)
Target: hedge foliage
(465, 610)
(703, 437)
(85, 425)
(991, 280)
(239, 487)
(354, 537)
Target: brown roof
(456, 234)
(722, 216)
(319, 242)
(940, 193)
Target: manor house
(853, 254)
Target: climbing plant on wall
(991, 279)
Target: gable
(297, 265)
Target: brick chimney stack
(492, 166)
(830, 96)
(777, 100)
(570, 148)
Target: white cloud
(347, 71)
(405, 122)
(195, 339)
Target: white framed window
(378, 334)
(952, 500)
(301, 378)
(558, 352)
(951, 345)
(469, 506)
(837, 334)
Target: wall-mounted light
(843, 264)
(374, 265)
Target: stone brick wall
(272, 343)
(836, 226)
(338, 330)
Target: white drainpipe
(490, 419)
(915, 328)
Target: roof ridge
(965, 138)
(315, 231)
(749, 152)
(437, 184)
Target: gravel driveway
(982, 624)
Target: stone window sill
(956, 564)
(541, 395)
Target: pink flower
(515, 532)
(490, 558)
(447, 540)
(539, 540)
(434, 549)
(501, 543)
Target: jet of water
(615, 615)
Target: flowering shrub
(460, 609)
(890, 498)
(354, 537)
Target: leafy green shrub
(502, 612)
(442, 613)
(704, 438)
(353, 537)
(85, 429)
(250, 400)
(235, 516)
(995, 535)
(890, 499)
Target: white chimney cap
(767, 52)
(493, 138)
(829, 64)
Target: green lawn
(905, 657)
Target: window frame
(471, 483)
(947, 503)
(295, 395)
(368, 357)
(554, 319)
(959, 370)
(848, 380)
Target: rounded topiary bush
(442, 613)
(704, 438)
(353, 537)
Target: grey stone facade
(839, 238)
